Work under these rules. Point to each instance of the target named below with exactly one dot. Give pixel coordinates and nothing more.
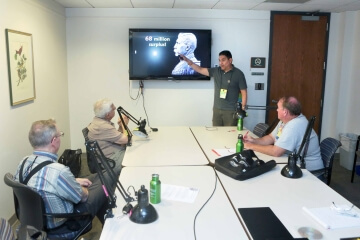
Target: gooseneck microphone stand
(140, 123)
(108, 184)
(143, 212)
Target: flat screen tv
(154, 53)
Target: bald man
(288, 135)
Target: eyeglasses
(60, 134)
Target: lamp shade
(291, 170)
(140, 132)
(143, 212)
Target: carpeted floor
(341, 183)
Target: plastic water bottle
(155, 189)
(240, 144)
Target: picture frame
(20, 66)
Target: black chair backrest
(261, 129)
(85, 132)
(328, 148)
(29, 206)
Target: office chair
(30, 210)
(91, 165)
(261, 129)
(6, 232)
(328, 147)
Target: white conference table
(286, 197)
(170, 146)
(217, 219)
(210, 138)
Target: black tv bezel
(169, 77)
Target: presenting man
(229, 81)
(61, 191)
(288, 135)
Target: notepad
(178, 193)
(224, 152)
(330, 219)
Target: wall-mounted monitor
(154, 53)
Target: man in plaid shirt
(60, 190)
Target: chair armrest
(67, 215)
(319, 172)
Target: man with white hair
(112, 141)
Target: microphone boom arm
(98, 158)
(140, 123)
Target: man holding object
(229, 81)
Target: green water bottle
(240, 124)
(240, 144)
(155, 189)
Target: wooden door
(298, 51)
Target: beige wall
(98, 62)
(46, 23)
(341, 104)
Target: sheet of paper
(178, 193)
(224, 152)
(330, 219)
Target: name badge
(223, 93)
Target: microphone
(240, 113)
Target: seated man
(61, 191)
(112, 141)
(288, 135)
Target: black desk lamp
(139, 131)
(292, 170)
(143, 212)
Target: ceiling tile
(276, 6)
(74, 3)
(110, 3)
(198, 4)
(311, 5)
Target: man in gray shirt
(288, 135)
(229, 81)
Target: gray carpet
(341, 183)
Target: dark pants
(96, 205)
(223, 117)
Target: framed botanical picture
(20, 66)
